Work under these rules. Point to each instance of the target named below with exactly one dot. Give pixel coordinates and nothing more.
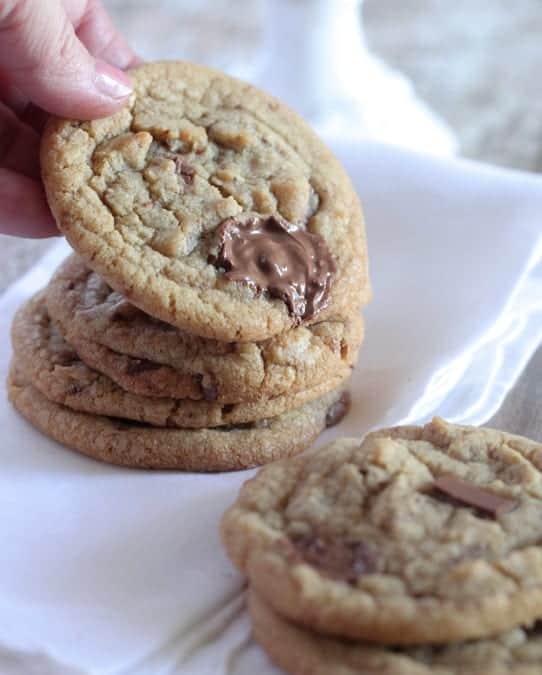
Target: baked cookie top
(300, 651)
(209, 205)
(131, 346)
(417, 535)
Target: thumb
(46, 61)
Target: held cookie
(417, 535)
(144, 447)
(209, 205)
(55, 369)
(90, 313)
(302, 652)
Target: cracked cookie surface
(302, 652)
(136, 445)
(141, 197)
(55, 369)
(129, 346)
(416, 535)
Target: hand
(59, 56)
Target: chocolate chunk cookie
(55, 369)
(144, 447)
(211, 206)
(302, 652)
(416, 535)
(130, 346)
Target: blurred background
(433, 75)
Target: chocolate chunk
(343, 560)
(463, 493)
(277, 257)
(338, 410)
(210, 392)
(185, 170)
(66, 357)
(208, 387)
(138, 366)
(535, 629)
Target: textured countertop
(474, 63)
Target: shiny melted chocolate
(279, 258)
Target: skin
(61, 57)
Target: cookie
(416, 535)
(144, 447)
(209, 205)
(55, 369)
(299, 651)
(89, 311)
(139, 376)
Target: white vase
(319, 63)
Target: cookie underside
(300, 651)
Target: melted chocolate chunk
(338, 410)
(210, 392)
(455, 491)
(207, 384)
(138, 366)
(185, 170)
(342, 560)
(66, 357)
(277, 257)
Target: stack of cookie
(210, 317)
(415, 552)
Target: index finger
(98, 33)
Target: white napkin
(114, 571)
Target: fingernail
(112, 82)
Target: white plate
(116, 571)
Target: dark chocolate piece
(343, 560)
(280, 258)
(185, 170)
(468, 494)
(210, 392)
(338, 410)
